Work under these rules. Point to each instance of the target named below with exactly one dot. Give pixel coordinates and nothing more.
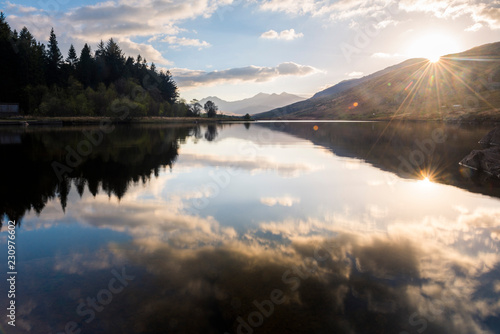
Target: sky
(235, 49)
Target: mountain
(347, 84)
(461, 86)
(258, 103)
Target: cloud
(193, 78)
(183, 41)
(147, 51)
(20, 8)
(290, 6)
(474, 27)
(354, 74)
(283, 201)
(387, 12)
(124, 20)
(286, 35)
(335, 10)
(385, 55)
(482, 11)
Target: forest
(88, 83)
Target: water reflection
(256, 231)
(127, 154)
(408, 149)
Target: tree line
(46, 83)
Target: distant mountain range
(462, 86)
(256, 104)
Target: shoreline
(70, 121)
(75, 121)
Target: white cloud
(183, 41)
(287, 35)
(124, 20)
(387, 12)
(21, 8)
(354, 74)
(192, 78)
(385, 55)
(283, 201)
(145, 50)
(290, 6)
(474, 27)
(485, 12)
(335, 10)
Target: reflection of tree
(128, 154)
(196, 132)
(211, 132)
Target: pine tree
(168, 87)
(114, 60)
(72, 58)
(85, 66)
(100, 63)
(54, 60)
(100, 50)
(9, 86)
(138, 62)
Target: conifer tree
(54, 60)
(72, 58)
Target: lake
(268, 227)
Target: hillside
(258, 103)
(462, 86)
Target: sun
(434, 59)
(432, 46)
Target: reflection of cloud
(162, 221)
(254, 166)
(440, 269)
(284, 201)
(395, 275)
(80, 263)
(377, 212)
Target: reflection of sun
(432, 47)
(427, 177)
(425, 183)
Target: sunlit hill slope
(459, 87)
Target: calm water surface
(260, 228)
